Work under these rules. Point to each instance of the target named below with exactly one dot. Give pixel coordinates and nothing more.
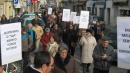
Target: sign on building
(15, 1)
(123, 39)
(10, 35)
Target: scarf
(51, 45)
(24, 36)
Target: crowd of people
(59, 40)
(4, 20)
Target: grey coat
(98, 52)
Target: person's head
(55, 26)
(105, 41)
(30, 26)
(63, 50)
(36, 24)
(43, 62)
(24, 30)
(98, 23)
(3, 15)
(36, 16)
(47, 30)
(52, 39)
(71, 26)
(88, 32)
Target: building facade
(109, 9)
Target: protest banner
(66, 15)
(10, 35)
(123, 39)
(49, 11)
(84, 19)
(76, 20)
(72, 15)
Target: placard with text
(123, 39)
(10, 35)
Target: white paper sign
(76, 20)
(10, 43)
(50, 11)
(66, 15)
(72, 15)
(123, 39)
(84, 19)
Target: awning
(123, 8)
(119, 1)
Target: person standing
(103, 55)
(88, 43)
(4, 19)
(57, 33)
(43, 63)
(10, 20)
(38, 34)
(52, 46)
(16, 19)
(64, 63)
(98, 30)
(46, 38)
(71, 39)
(26, 45)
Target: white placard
(123, 39)
(10, 43)
(66, 15)
(49, 11)
(84, 19)
(72, 15)
(76, 20)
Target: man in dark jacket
(43, 63)
(4, 19)
(36, 20)
(98, 30)
(10, 20)
(103, 55)
(16, 19)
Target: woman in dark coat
(64, 63)
(71, 39)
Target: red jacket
(45, 39)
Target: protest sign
(10, 35)
(123, 39)
(49, 11)
(84, 19)
(66, 15)
(76, 20)
(72, 15)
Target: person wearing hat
(103, 56)
(88, 43)
(46, 38)
(64, 62)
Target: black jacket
(29, 69)
(4, 20)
